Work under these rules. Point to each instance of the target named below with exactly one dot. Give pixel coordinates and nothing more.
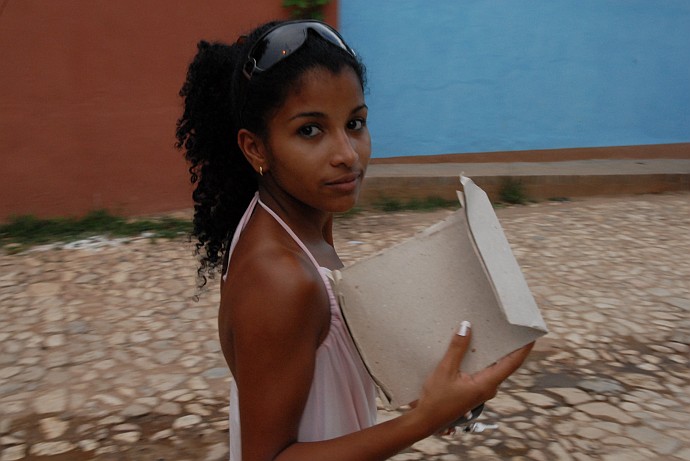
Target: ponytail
(225, 182)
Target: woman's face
(318, 141)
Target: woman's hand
(449, 393)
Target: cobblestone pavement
(105, 355)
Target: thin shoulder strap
(289, 231)
(324, 272)
(238, 230)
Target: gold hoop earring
(261, 170)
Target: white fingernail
(464, 326)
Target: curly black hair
(218, 102)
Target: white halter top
(342, 398)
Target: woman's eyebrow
(316, 114)
(308, 115)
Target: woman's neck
(311, 225)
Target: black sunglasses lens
(331, 36)
(286, 39)
(279, 44)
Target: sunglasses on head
(283, 40)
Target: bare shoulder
(272, 290)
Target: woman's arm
(275, 334)
(447, 394)
(277, 326)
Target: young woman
(275, 129)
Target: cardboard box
(403, 304)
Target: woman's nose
(344, 150)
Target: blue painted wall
(455, 76)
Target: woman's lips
(345, 183)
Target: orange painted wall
(88, 99)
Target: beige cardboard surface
(402, 305)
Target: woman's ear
(254, 150)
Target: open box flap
(500, 264)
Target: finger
(506, 366)
(457, 348)
(521, 353)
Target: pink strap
(289, 231)
(240, 227)
(323, 271)
(243, 223)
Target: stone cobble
(106, 354)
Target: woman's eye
(309, 131)
(356, 124)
